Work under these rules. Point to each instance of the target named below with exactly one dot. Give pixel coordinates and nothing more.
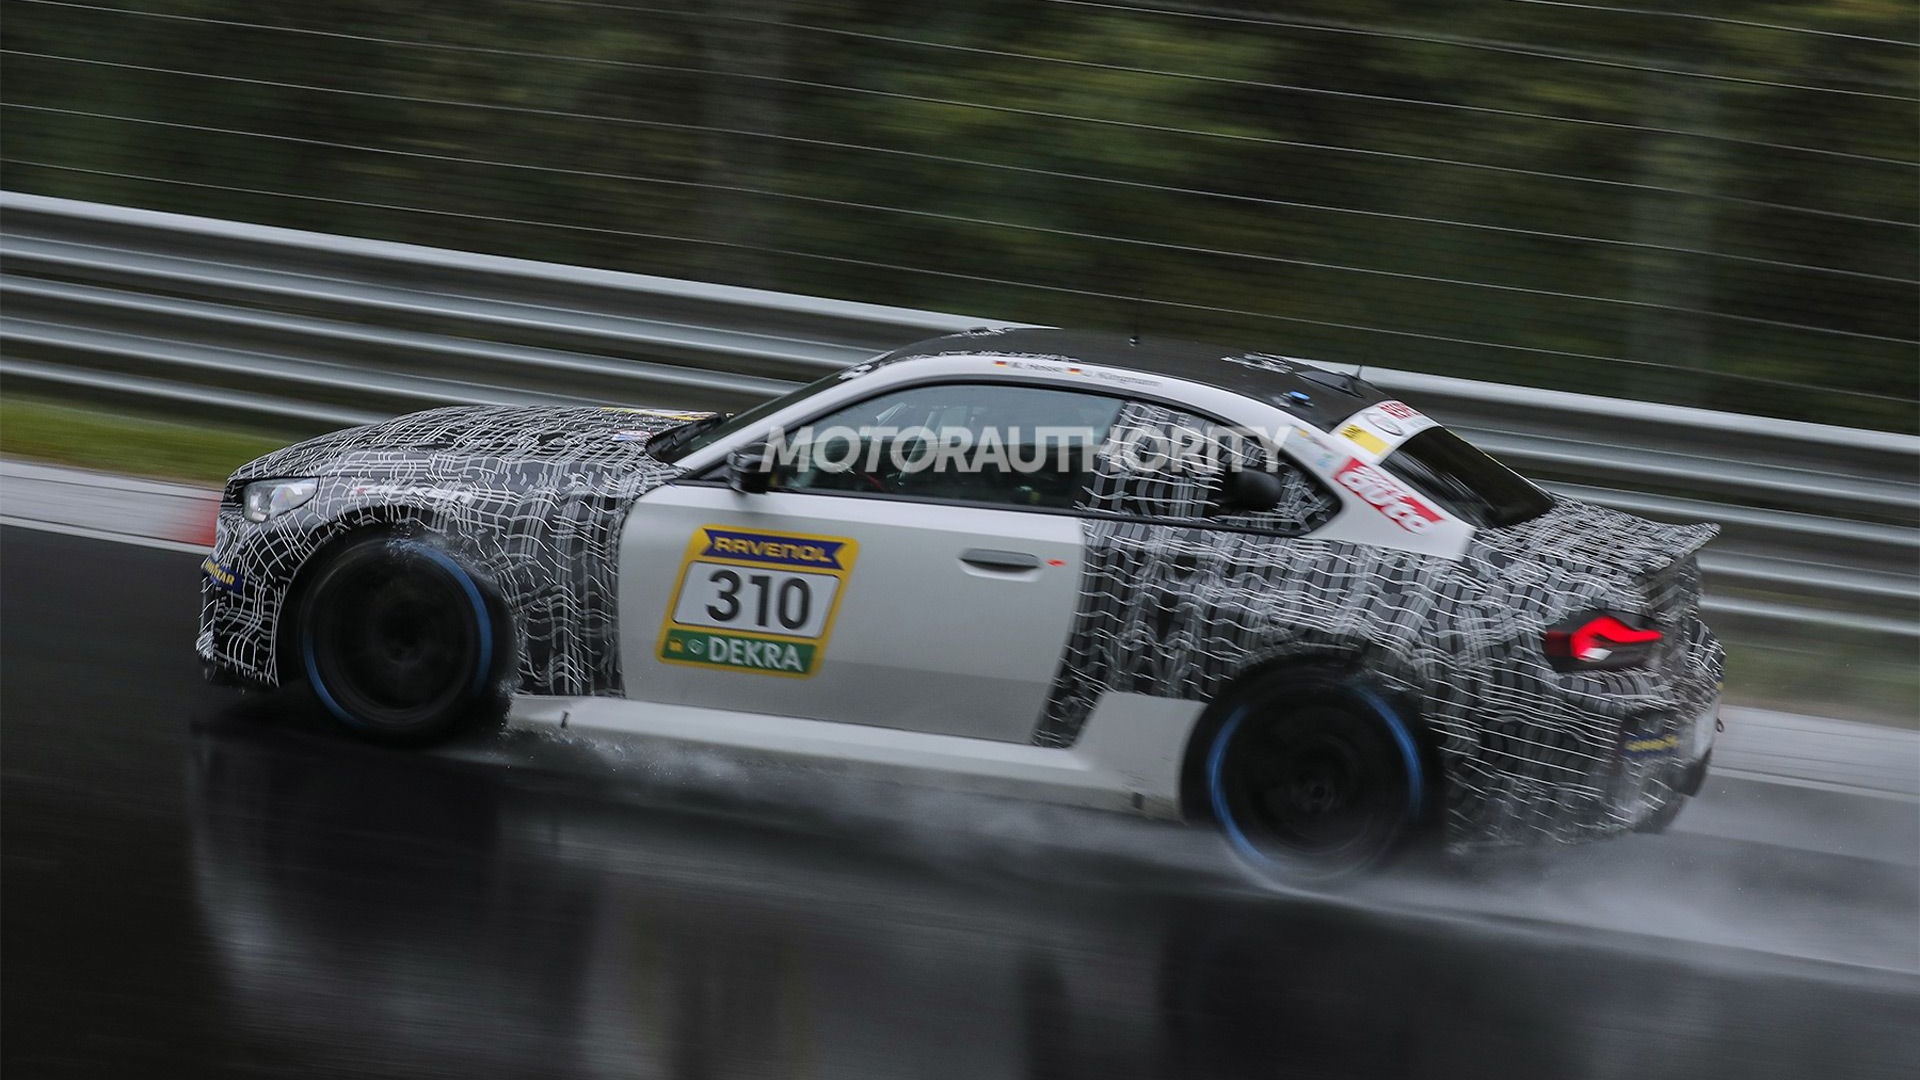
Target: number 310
(792, 602)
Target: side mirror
(1249, 491)
(749, 469)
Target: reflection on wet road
(217, 888)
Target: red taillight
(1599, 640)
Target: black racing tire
(399, 642)
(1313, 778)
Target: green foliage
(1508, 191)
(128, 441)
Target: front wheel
(397, 641)
(1314, 778)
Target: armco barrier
(1821, 524)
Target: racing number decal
(756, 601)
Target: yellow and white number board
(754, 601)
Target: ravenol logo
(773, 550)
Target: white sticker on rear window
(1377, 429)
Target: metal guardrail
(1821, 523)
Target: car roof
(1315, 394)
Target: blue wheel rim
(468, 587)
(1217, 756)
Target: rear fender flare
(1338, 667)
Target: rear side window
(1164, 463)
(1450, 471)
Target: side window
(1162, 462)
(978, 442)
(1305, 503)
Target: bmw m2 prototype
(1152, 577)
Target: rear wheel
(397, 641)
(1313, 778)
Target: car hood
(589, 438)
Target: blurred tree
(1713, 204)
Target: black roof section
(1313, 393)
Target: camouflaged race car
(1152, 577)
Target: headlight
(271, 498)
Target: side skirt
(1127, 758)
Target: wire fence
(1698, 207)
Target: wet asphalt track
(198, 885)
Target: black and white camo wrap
(531, 497)
(1526, 752)
(534, 499)
(1131, 485)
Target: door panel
(922, 616)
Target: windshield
(675, 443)
(1450, 471)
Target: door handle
(993, 559)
